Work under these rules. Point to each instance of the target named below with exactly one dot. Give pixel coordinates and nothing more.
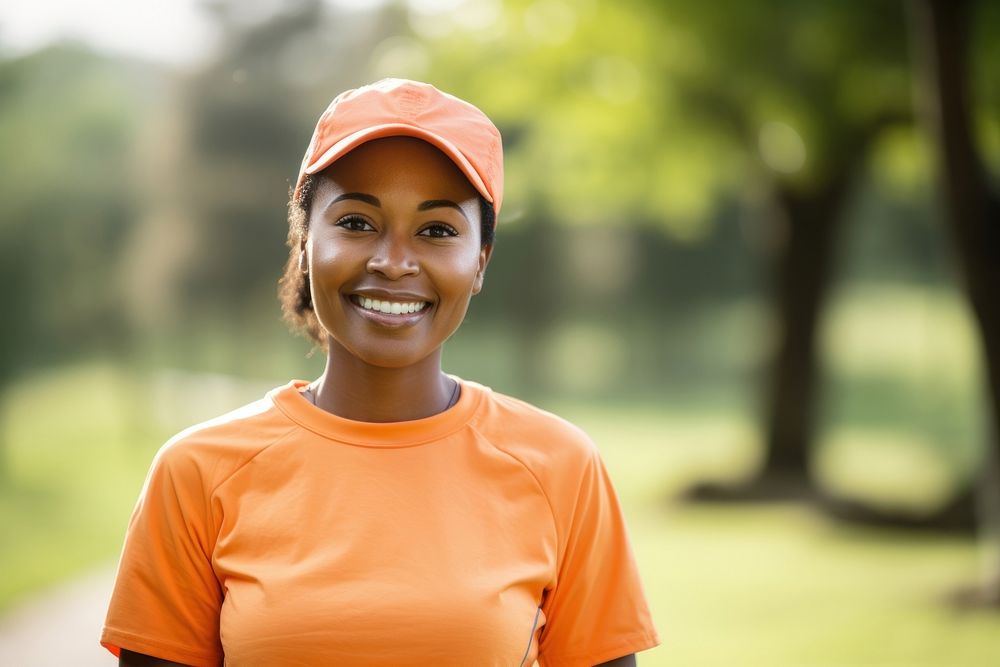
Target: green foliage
(596, 130)
(144, 200)
(68, 122)
(77, 451)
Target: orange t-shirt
(281, 534)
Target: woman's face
(393, 251)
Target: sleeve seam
(260, 451)
(541, 488)
(217, 521)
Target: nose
(393, 259)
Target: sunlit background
(723, 252)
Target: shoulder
(215, 449)
(545, 442)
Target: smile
(388, 307)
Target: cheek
(322, 254)
(461, 274)
(329, 260)
(329, 267)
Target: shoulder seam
(541, 487)
(216, 523)
(257, 453)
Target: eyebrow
(360, 196)
(439, 203)
(424, 206)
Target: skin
(131, 659)
(393, 219)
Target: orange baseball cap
(399, 107)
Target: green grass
(73, 472)
(771, 586)
(777, 585)
(780, 586)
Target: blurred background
(752, 248)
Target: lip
(387, 320)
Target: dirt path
(59, 627)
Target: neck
(352, 389)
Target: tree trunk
(973, 219)
(802, 278)
(536, 286)
(802, 269)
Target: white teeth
(390, 307)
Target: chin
(386, 354)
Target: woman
(386, 513)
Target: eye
(354, 223)
(438, 230)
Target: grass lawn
(73, 470)
(777, 585)
(768, 586)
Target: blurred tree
(68, 120)
(805, 87)
(812, 92)
(941, 37)
(241, 131)
(237, 128)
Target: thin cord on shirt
(310, 395)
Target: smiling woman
(386, 513)
(394, 223)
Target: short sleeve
(166, 599)
(596, 611)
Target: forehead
(399, 163)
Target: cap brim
(352, 141)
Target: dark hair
(293, 287)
